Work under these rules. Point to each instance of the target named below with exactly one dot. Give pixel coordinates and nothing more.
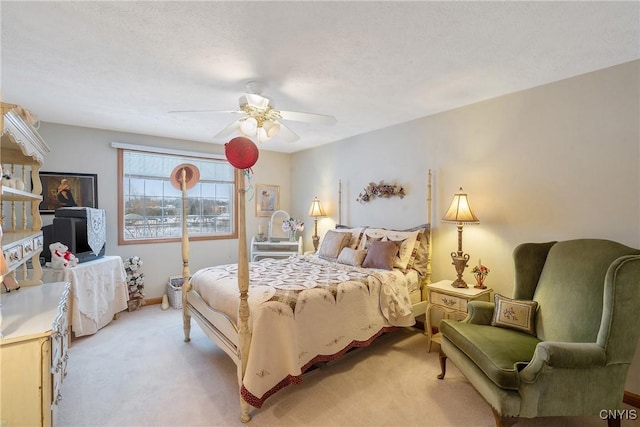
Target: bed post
(429, 202)
(339, 201)
(243, 287)
(186, 319)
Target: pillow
(367, 241)
(356, 234)
(420, 255)
(514, 314)
(350, 256)
(381, 255)
(406, 239)
(332, 244)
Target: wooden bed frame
(236, 340)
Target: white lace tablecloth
(99, 291)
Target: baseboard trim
(152, 301)
(631, 399)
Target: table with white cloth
(98, 290)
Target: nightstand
(452, 301)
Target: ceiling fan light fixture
(249, 126)
(262, 135)
(271, 128)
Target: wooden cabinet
(451, 301)
(34, 343)
(21, 155)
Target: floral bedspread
(303, 310)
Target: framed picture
(61, 190)
(267, 199)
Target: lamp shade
(316, 209)
(459, 211)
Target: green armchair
(574, 358)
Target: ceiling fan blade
(206, 111)
(287, 135)
(297, 116)
(228, 130)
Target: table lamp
(460, 213)
(316, 212)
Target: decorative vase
(292, 236)
(480, 281)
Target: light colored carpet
(138, 371)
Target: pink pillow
(381, 255)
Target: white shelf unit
(275, 248)
(22, 152)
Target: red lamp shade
(241, 152)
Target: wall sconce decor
(316, 212)
(460, 213)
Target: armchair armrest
(479, 312)
(563, 355)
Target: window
(150, 208)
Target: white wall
(85, 150)
(555, 162)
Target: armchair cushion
(514, 314)
(499, 352)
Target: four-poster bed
(294, 313)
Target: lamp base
(459, 262)
(459, 283)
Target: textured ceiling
(124, 65)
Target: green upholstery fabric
(570, 289)
(587, 326)
(498, 352)
(529, 260)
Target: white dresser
(34, 347)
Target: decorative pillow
(367, 241)
(371, 235)
(381, 255)
(350, 256)
(420, 255)
(332, 244)
(356, 234)
(514, 314)
(407, 240)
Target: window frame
(121, 208)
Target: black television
(70, 228)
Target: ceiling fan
(261, 119)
